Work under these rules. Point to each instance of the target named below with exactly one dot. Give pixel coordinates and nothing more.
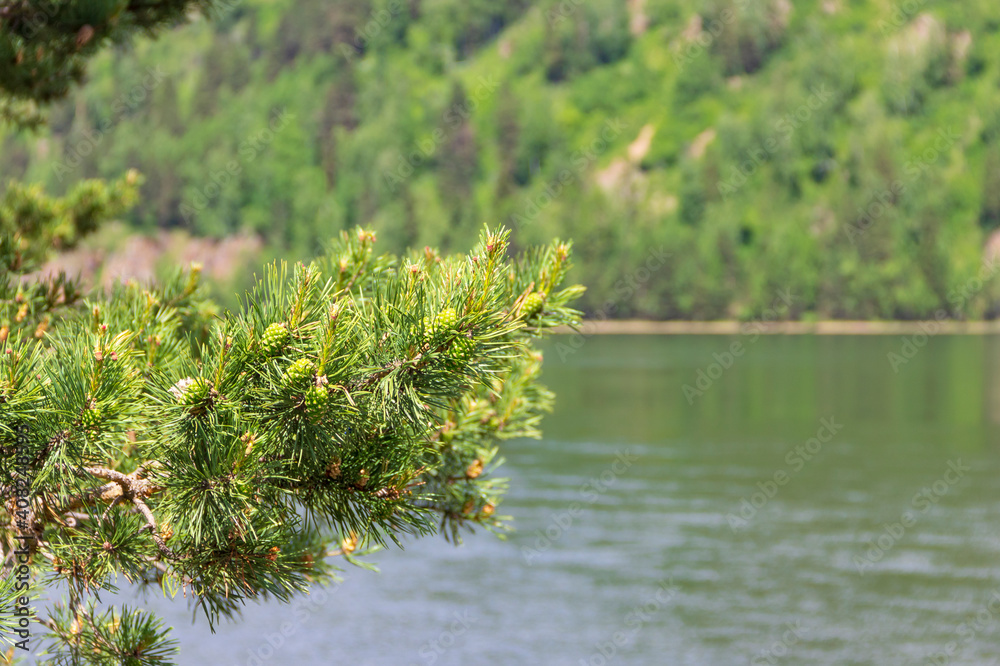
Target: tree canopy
(847, 150)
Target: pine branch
(318, 416)
(130, 487)
(151, 524)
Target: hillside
(827, 158)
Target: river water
(819, 502)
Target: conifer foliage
(146, 437)
(45, 44)
(348, 404)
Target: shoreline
(831, 327)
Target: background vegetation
(845, 150)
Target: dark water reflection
(652, 551)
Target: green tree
(459, 162)
(989, 212)
(44, 46)
(508, 138)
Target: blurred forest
(708, 158)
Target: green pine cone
(533, 304)
(196, 392)
(300, 371)
(274, 338)
(463, 348)
(316, 401)
(90, 418)
(446, 320)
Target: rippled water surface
(634, 546)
